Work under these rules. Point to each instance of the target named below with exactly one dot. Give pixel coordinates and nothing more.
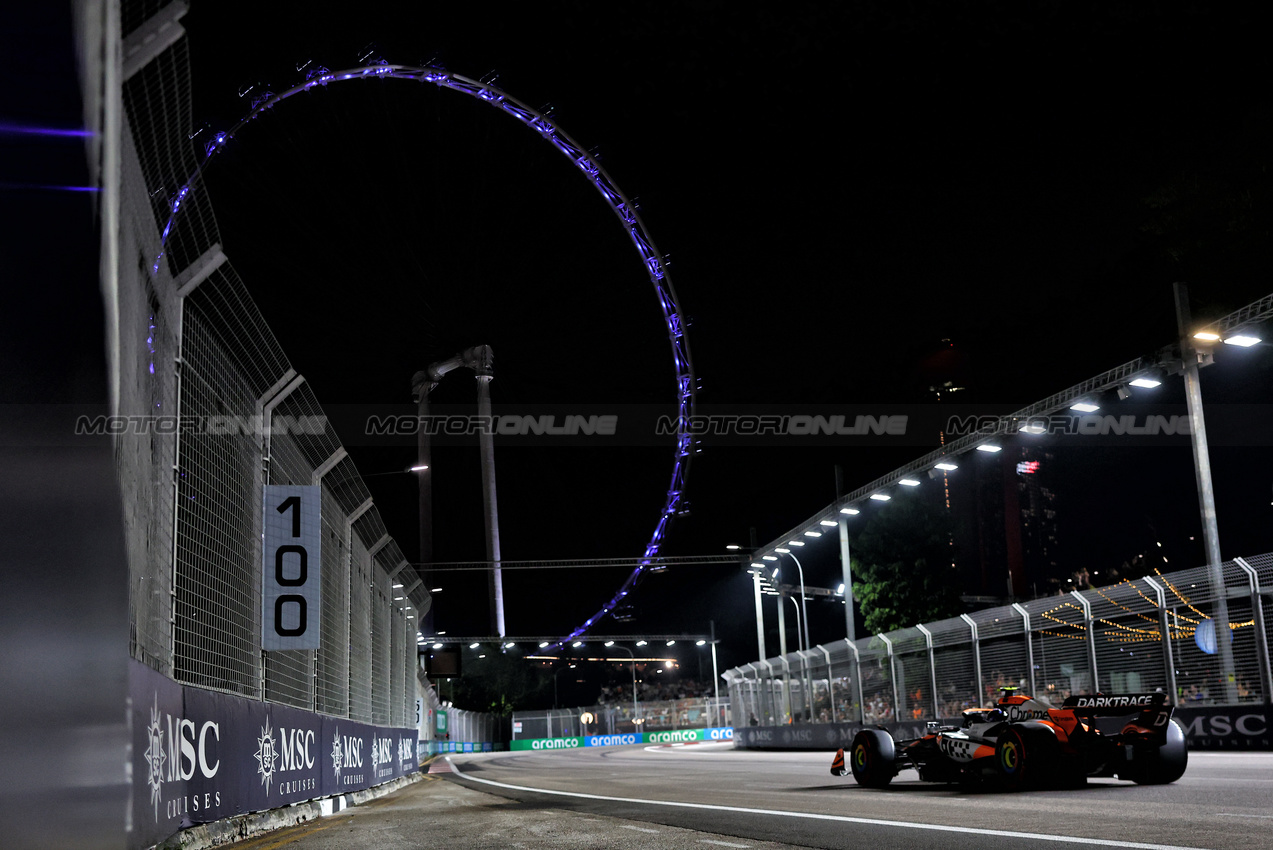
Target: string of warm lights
(1060, 635)
(1180, 595)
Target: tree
(904, 566)
(499, 683)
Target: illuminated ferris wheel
(653, 263)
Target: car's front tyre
(871, 758)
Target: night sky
(840, 188)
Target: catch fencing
(1158, 633)
(623, 718)
(215, 412)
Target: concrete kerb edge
(250, 825)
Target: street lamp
(804, 621)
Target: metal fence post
(976, 654)
(1164, 626)
(1261, 636)
(1091, 641)
(892, 676)
(857, 678)
(1029, 643)
(932, 668)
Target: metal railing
(1148, 634)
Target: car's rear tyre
(871, 758)
(1027, 754)
(1161, 764)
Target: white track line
(1035, 836)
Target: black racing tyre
(1162, 764)
(1027, 755)
(871, 757)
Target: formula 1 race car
(1025, 743)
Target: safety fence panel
(845, 685)
(217, 592)
(360, 632)
(1001, 647)
(332, 681)
(1060, 642)
(1129, 648)
(955, 666)
(1158, 633)
(878, 704)
(913, 667)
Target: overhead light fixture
(830, 523)
(543, 644)
(850, 511)
(947, 466)
(510, 645)
(577, 644)
(701, 643)
(421, 468)
(768, 558)
(609, 643)
(1033, 428)
(795, 542)
(1207, 336)
(840, 589)
(881, 497)
(640, 643)
(1084, 406)
(989, 447)
(732, 546)
(474, 645)
(813, 534)
(669, 643)
(435, 590)
(783, 551)
(1243, 340)
(437, 646)
(908, 482)
(1145, 383)
(754, 564)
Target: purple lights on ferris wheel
(623, 208)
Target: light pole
(610, 644)
(804, 610)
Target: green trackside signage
(678, 736)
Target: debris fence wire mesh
(194, 347)
(1107, 639)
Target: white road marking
(721, 843)
(1003, 833)
(638, 828)
(1241, 815)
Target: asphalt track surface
(711, 795)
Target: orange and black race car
(1025, 743)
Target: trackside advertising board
(678, 736)
(201, 756)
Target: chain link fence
(218, 412)
(1152, 634)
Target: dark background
(840, 187)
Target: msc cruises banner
(200, 756)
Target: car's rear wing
(1152, 711)
(1109, 705)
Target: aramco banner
(201, 756)
(673, 736)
